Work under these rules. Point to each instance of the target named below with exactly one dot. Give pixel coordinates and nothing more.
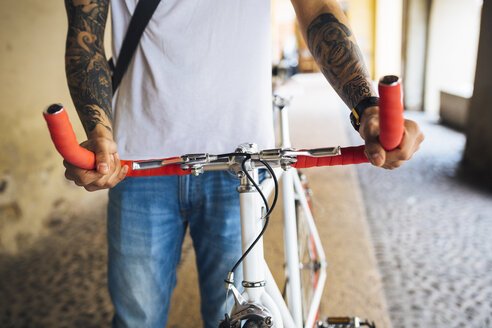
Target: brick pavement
(432, 227)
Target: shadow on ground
(61, 280)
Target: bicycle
(261, 304)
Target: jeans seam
(183, 195)
(178, 249)
(198, 201)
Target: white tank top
(200, 79)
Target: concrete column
(415, 52)
(478, 151)
(389, 17)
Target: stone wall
(32, 186)
(478, 151)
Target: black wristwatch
(359, 110)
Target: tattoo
(339, 59)
(88, 74)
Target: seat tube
(290, 228)
(251, 225)
(284, 128)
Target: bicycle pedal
(344, 322)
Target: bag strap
(139, 21)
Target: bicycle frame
(261, 294)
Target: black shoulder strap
(141, 17)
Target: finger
(115, 164)
(80, 176)
(87, 177)
(410, 143)
(393, 165)
(109, 180)
(406, 148)
(374, 151)
(414, 133)
(118, 177)
(118, 174)
(92, 188)
(103, 154)
(103, 162)
(68, 171)
(398, 156)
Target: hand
(369, 131)
(108, 172)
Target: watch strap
(358, 110)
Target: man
(199, 82)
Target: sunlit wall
(452, 53)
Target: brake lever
(316, 152)
(185, 160)
(155, 164)
(194, 159)
(291, 153)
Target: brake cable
(269, 210)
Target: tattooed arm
(89, 82)
(333, 46)
(87, 70)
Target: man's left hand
(369, 131)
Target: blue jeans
(147, 220)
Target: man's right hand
(108, 172)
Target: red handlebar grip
(349, 155)
(64, 138)
(390, 112)
(66, 143)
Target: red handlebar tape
(391, 121)
(64, 138)
(349, 155)
(170, 169)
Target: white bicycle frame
(260, 288)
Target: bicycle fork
(255, 307)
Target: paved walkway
(432, 231)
